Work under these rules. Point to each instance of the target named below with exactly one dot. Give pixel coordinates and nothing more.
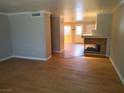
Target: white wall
(57, 33)
(104, 22)
(103, 25)
(5, 40)
(47, 32)
(30, 35)
(117, 43)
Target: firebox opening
(92, 48)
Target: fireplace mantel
(92, 36)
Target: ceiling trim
(103, 13)
(28, 12)
(118, 5)
(2, 13)
(18, 13)
(45, 12)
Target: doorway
(73, 42)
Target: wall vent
(36, 14)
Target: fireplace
(95, 46)
(92, 48)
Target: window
(67, 30)
(90, 28)
(79, 30)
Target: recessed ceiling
(70, 9)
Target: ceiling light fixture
(79, 10)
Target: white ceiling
(70, 9)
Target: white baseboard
(116, 69)
(22, 57)
(48, 58)
(32, 58)
(6, 58)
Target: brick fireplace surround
(98, 41)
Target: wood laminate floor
(72, 50)
(59, 75)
